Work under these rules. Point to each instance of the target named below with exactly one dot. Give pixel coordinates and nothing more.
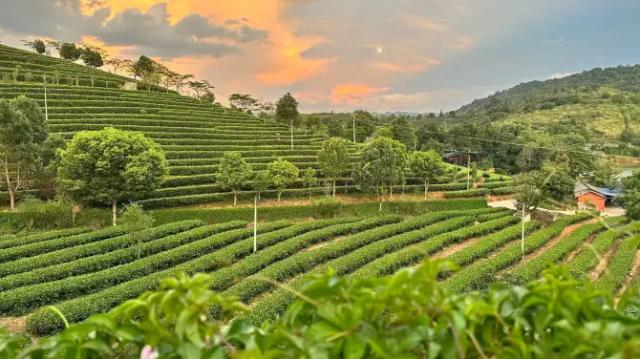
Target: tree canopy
(287, 110)
(427, 165)
(109, 165)
(233, 173)
(282, 173)
(334, 159)
(383, 163)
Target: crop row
(410, 255)
(482, 272)
(24, 299)
(589, 257)
(366, 247)
(301, 262)
(42, 322)
(619, 266)
(113, 258)
(36, 248)
(20, 240)
(531, 269)
(94, 247)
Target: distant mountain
(610, 85)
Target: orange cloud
(405, 68)
(422, 23)
(353, 93)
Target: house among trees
(591, 196)
(460, 158)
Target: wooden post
(522, 237)
(255, 224)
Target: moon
(379, 49)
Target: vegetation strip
(34, 249)
(620, 265)
(42, 322)
(589, 257)
(530, 270)
(480, 273)
(94, 248)
(116, 257)
(21, 300)
(412, 254)
(21, 240)
(304, 261)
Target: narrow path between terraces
(603, 263)
(14, 324)
(635, 271)
(567, 231)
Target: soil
(14, 324)
(454, 248)
(635, 271)
(505, 197)
(603, 264)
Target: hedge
(467, 193)
(94, 247)
(480, 273)
(250, 287)
(116, 257)
(530, 270)
(620, 265)
(366, 248)
(33, 249)
(21, 300)
(412, 254)
(590, 256)
(42, 322)
(217, 215)
(24, 239)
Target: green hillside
(194, 134)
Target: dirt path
(14, 324)
(603, 263)
(584, 246)
(456, 247)
(635, 271)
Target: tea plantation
(193, 134)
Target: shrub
(326, 208)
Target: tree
(23, 132)
(37, 45)
(334, 159)
(404, 132)
(243, 102)
(117, 64)
(137, 222)
(199, 86)
(110, 165)
(287, 112)
(383, 162)
(233, 173)
(69, 51)
(92, 57)
(143, 67)
(309, 178)
(427, 165)
(282, 173)
(261, 182)
(631, 197)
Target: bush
(35, 214)
(326, 208)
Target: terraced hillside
(85, 272)
(193, 134)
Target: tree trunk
(12, 199)
(391, 192)
(235, 199)
(334, 188)
(426, 188)
(114, 212)
(279, 194)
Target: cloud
(354, 93)
(555, 40)
(150, 32)
(462, 43)
(405, 67)
(423, 23)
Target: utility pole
(291, 127)
(468, 168)
(46, 108)
(522, 238)
(353, 119)
(255, 223)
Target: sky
(341, 55)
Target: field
(83, 272)
(192, 133)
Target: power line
(507, 142)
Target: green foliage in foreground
(408, 315)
